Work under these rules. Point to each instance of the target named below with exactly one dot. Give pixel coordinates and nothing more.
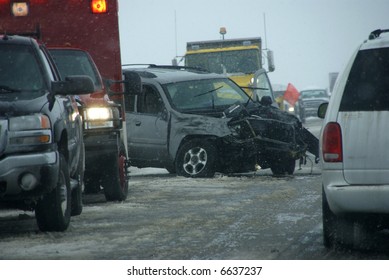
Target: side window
(49, 70)
(368, 82)
(263, 87)
(150, 102)
(130, 103)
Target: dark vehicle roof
(15, 39)
(171, 74)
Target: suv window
(150, 102)
(367, 87)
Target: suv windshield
(19, 69)
(205, 94)
(367, 87)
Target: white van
(354, 146)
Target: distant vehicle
(41, 140)
(82, 35)
(354, 146)
(297, 109)
(195, 124)
(312, 98)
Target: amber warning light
(99, 6)
(19, 9)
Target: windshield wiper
(212, 97)
(7, 89)
(212, 90)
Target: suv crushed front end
(269, 137)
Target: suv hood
(19, 107)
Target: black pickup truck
(41, 142)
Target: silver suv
(195, 124)
(354, 146)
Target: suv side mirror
(270, 61)
(132, 83)
(73, 85)
(321, 111)
(266, 101)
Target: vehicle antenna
(175, 30)
(264, 25)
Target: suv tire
(53, 210)
(114, 181)
(282, 165)
(329, 220)
(343, 231)
(197, 158)
(76, 200)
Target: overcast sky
(310, 38)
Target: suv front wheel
(114, 181)
(282, 165)
(197, 158)
(53, 210)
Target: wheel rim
(195, 160)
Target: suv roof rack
(176, 67)
(376, 33)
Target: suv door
(147, 128)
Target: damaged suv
(195, 124)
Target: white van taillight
(332, 143)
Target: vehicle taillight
(332, 143)
(99, 6)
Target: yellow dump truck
(240, 59)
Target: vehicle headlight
(30, 130)
(288, 107)
(291, 109)
(98, 117)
